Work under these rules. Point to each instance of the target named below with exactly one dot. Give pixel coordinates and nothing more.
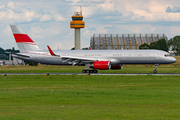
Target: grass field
(61, 97)
(67, 97)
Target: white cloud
(46, 17)
(73, 2)
(2, 6)
(64, 44)
(108, 6)
(37, 32)
(148, 11)
(56, 17)
(40, 33)
(9, 16)
(7, 31)
(88, 11)
(1, 43)
(59, 17)
(11, 5)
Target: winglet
(89, 48)
(50, 51)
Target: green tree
(3, 57)
(10, 51)
(85, 48)
(144, 46)
(174, 44)
(1, 50)
(82, 48)
(30, 63)
(159, 45)
(163, 45)
(73, 48)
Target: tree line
(4, 55)
(171, 45)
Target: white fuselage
(114, 56)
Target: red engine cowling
(117, 66)
(101, 65)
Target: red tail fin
(24, 42)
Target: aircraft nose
(173, 60)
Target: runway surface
(90, 74)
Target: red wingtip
(89, 48)
(50, 51)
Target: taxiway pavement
(90, 74)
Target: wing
(75, 59)
(78, 60)
(85, 60)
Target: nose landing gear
(155, 71)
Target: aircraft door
(38, 57)
(157, 55)
(124, 55)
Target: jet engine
(114, 67)
(101, 65)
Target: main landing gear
(87, 66)
(155, 70)
(89, 71)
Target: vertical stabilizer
(24, 42)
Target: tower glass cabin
(77, 24)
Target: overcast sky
(47, 22)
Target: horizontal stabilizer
(17, 54)
(22, 55)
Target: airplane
(95, 59)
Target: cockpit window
(167, 55)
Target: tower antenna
(80, 10)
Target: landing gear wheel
(155, 71)
(83, 71)
(89, 71)
(95, 71)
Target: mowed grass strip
(89, 97)
(78, 69)
(167, 68)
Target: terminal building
(123, 41)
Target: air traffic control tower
(77, 24)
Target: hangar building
(123, 41)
